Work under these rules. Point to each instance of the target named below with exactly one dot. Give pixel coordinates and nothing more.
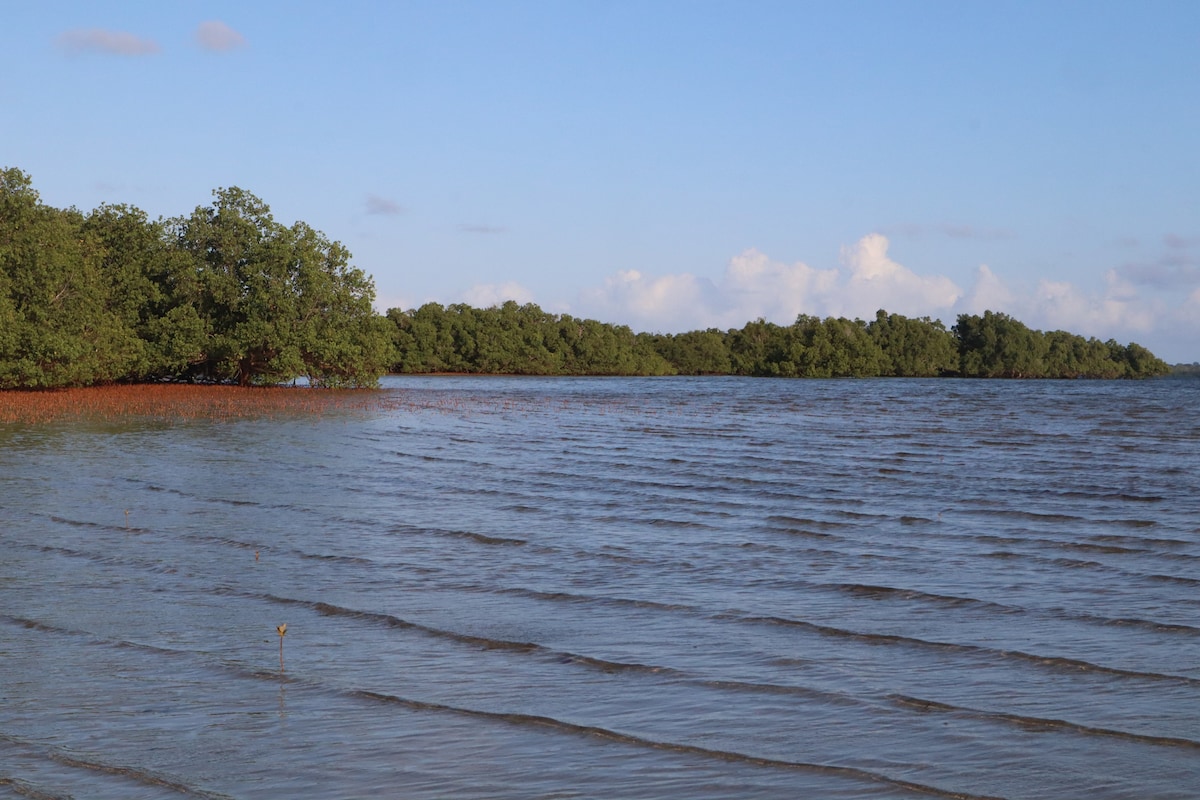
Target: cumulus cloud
(486, 295)
(875, 281)
(756, 286)
(382, 205)
(217, 37)
(988, 293)
(668, 302)
(753, 286)
(99, 40)
(1062, 305)
(1119, 309)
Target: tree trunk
(245, 371)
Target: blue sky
(667, 165)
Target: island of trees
(227, 294)
(523, 339)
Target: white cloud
(670, 302)
(876, 282)
(1116, 311)
(988, 294)
(754, 286)
(1062, 305)
(1121, 310)
(486, 295)
(99, 40)
(218, 37)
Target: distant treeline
(524, 340)
(228, 295)
(1186, 370)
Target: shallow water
(558, 588)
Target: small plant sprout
(282, 631)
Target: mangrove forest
(228, 295)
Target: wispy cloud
(1176, 267)
(99, 40)
(383, 206)
(1177, 242)
(217, 37)
(1162, 275)
(482, 229)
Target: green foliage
(994, 345)
(226, 294)
(997, 346)
(514, 339)
(135, 260)
(695, 352)
(913, 348)
(59, 327)
(755, 347)
(1141, 363)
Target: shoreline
(173, 402)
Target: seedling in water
(282, 631)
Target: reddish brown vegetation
(177, 402)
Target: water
(611, 588)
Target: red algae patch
(169, 402)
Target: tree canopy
(524, 340)
(226, 294)
(517, 340)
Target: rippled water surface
(610, 588)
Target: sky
(668, 165)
